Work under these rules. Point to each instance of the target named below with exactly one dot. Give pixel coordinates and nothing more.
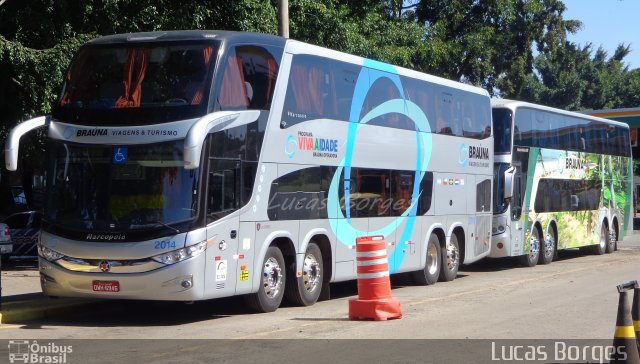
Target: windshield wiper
(155, 223)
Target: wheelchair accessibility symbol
(120, 155)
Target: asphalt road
(572, 298)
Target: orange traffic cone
(624, 339)
(374, 288)
(635, 314)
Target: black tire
(612, 241)
(431, 271)
(5, 259)
(450, 260)
(531, 259)
(305, 290)
(272, 283)
(601, 247)
(548, 247)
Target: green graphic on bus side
(577, 192)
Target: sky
(607, 23)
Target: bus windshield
(109, 82)
(119, 189)
(502, 130)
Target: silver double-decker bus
(192, 165)
(562, 180)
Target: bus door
(519, 206)
(223, 199)
(407, 255)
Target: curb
(27, 310)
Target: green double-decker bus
(562, 180)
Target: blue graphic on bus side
(341, 225)
(463, 155)
(291, 147)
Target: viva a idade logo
(305, 141)
(340, 224)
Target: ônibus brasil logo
(25, 351)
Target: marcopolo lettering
(479, 153)
(106, 237)
(91, 132)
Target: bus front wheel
(305, 290)
(429, 275)
(272, 283)
(531, 259)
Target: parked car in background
(25, 232)
(6, 246)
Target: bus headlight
(499, 225)
(48, 254)
(179, 255)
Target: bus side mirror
(508, 183)
(12, 143)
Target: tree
(490, 43)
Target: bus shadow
(501, 264)
(126, 313)
(20, 264)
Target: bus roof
(297, 47)
(190, 35)
(292, 46)
(513, 104)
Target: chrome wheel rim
(549, 243)
(311, 273)
(272, 277)
(604, 237)
(452, 256)
(432, 259)
(534, 247)
(613, 237)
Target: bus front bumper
(183, 281)
(500, 245)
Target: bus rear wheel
(272, 283)
(531, 259)
(429, 275)
(612, 242)
(601, 247)
(305, 290)
(548, 249)
(450, 260)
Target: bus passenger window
(233, 94)
(318, 88)
(444, 113)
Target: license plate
(106, 286)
